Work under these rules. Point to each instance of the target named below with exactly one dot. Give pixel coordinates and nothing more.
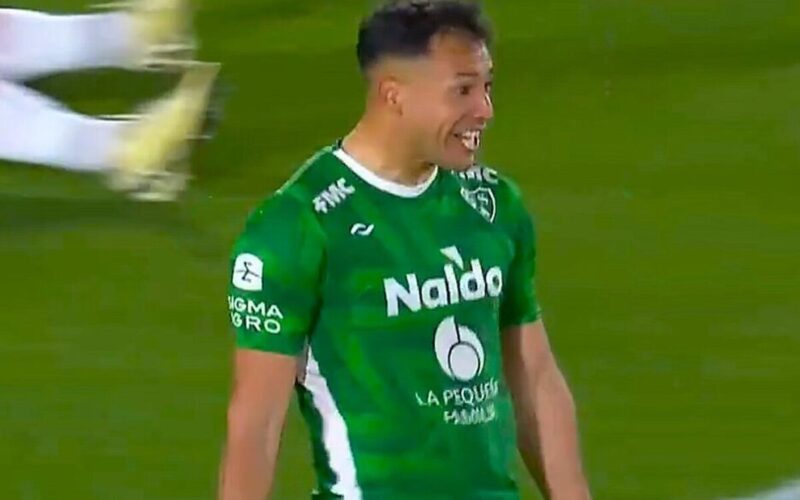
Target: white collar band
(378, 182)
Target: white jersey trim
(385, 185)
(334, 432)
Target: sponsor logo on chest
(466, 285)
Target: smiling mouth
(471, 139)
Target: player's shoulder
(318, 173)
(279, 224)
(289, 209)
(321, 183)
(276, 207)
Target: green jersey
(394, 298)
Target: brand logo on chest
(466, 285)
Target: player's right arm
(262, 388)
(272, 302)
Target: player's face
(450, 103)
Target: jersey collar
(380, 183)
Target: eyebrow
(473, 74)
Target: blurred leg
(33, 44)
(35, 129)
(147, 33)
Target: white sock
(33, 44)
(36, 129)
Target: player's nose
(484, 109)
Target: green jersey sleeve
(275, 269)
(519, 303)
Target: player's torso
(407, 336)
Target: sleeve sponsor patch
(248, 272)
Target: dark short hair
(406, 27)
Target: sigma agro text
(255, 316)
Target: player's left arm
(543, 404)
(547, 430)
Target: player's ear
(390, 94)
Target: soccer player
(143, 155)
(391, 283)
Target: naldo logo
(458, 350)
(470, 284)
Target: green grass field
(656, 141)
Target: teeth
(471, 139)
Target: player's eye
(464, 90)
(488, 87)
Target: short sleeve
(520, 304)
(275, 267)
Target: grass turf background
(657, 142)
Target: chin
(457, 164)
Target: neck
(373, 145)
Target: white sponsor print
(361, 229)
(458, 350)
(471, 285)
(461, 357)
(482, 174)
(332, 196)
(255, 316)
(248, 273)
(463, 405)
